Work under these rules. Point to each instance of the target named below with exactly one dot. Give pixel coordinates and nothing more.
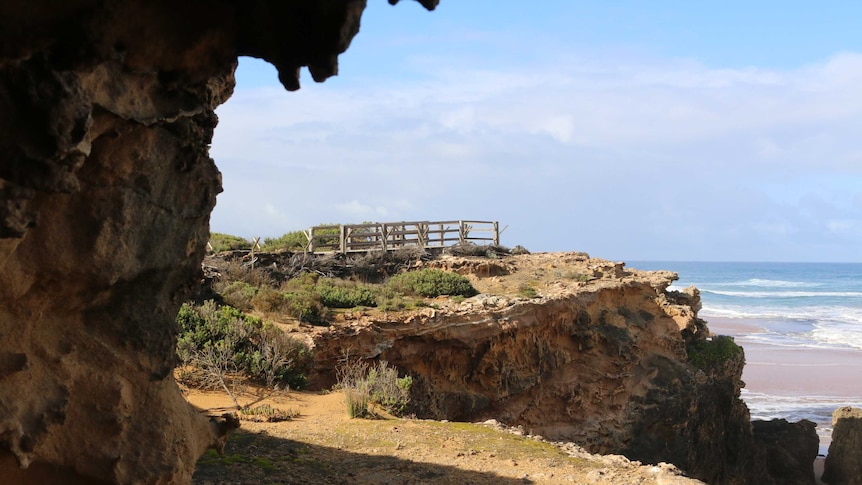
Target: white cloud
(841, 226)
(354, 209)
(588, 154)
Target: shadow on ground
(260, 459)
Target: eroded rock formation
(601, 358)
(106, 186)
(788, 451)
(844, 461)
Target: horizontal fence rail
(390, 236)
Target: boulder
(844, 461)
(788, 450)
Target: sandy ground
(788, 371)
(322, 445)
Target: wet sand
(793, 371)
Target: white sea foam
(837, 314)
(760, 282)
(838, 334)
(821, 327)
(818, 409)
(751, 283)
(768, 406)
(786, 294)
(799, 341)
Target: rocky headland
(571, 348)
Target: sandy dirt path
(322, 445)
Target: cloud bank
(625, 159)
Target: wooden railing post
(254, 245)
(422, 230)
(496, 233)
(342, 239)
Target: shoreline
(793, 382)
(793, 371)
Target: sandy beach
(793, 371)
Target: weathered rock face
(106, 114)
(599, 359)
(844, 461)
(788, 450)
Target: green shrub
(239, 294)
(236, 270)
(706, 354)
(226, 242)
(265, 413)
(352, 380)
(279, 358)
(292, 241)
(430, 283)
(305, 306)
(222, 340)
(269, 301)
(209, 324)
(302, 300)
(527, 291)
(379, 384)
(390, 300)
(343, 294)
(388, 390)
(303, 282)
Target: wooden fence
(389, 236)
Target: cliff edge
(573, 349)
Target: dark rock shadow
(258, 458)
(39, 473)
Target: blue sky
(666, 130)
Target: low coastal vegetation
(711, 353)
(219, 345)
(431, 283)
(291, 241)
(225, 242)
(310, 297)
(379, 384)
(235, 332)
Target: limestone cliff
(106, 186)
(600, 357)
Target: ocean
(801, 326)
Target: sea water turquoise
(801, 326)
